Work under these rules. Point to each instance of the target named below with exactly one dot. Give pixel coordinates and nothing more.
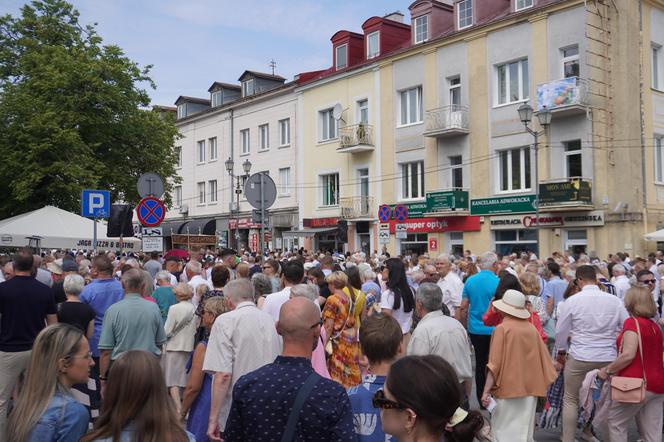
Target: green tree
(72, 114)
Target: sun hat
(513, 304)
(54, 268)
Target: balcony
(566, 194)
(447, 121)
(565, 97)
(357, 207)
(356, 138)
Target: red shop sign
(245, 223)
(437, 225)
(320, 222)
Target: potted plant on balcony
(361, 133)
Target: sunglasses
(320, 322)
(648, 281)
(380, 401)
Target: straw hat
(513, 304)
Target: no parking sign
(150, 211)
(400, 213)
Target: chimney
(396, 16)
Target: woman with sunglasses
(46, 409)
(421, 401)
(271, 270)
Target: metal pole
(262, 240)
(237, 214)
(94, 237)
(537, 207)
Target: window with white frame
(341, 56)
(330, 189)
(659, 158)
(570, 59)
(284, 181)
(412, 180)
(178, 156)
(201, 151)
(264, 136)
(513, 84)
(182, 110)
(514, 169)
(244, 136)
(455, 91)
(201, 192)
(363, 111)
(216, 98)
(178, 196)
(327, 124)
(411, 106)
(373, 45)
(212, 143)
(248, 87)
(657, 69)
(456, 171)
(465, 13)
(421, 29)
(284, 132)
(523, 4)
(573, 158)
(212, 190)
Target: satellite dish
(337, 111)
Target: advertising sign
(572, 191)
(548, 220)
(558, 93)
(445, 201)
(503, 204)
(436, 225)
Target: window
(341, 56)
(373, 45)
(212, 190)
(657, 81)
(216, 98)
(201, 193)
(363, 177)
(455, 91)
(178, 156)
(212, 142)
(570, 61)
(513, 81)
(514, 169)
(284, 132)
(244, 135)
(411, 106)
(412, 180)
(264, 136)
(201, 151)
(182, 111)
(178, 196)
(465, 13)
(523, 4)
(456, 171)
(573, 158)
(284, 181)
(515, 241)
(330, 189)
(421, 29)
(659, 158)
(248, 87)
(328, 125)
(363, 111)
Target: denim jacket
(128, 434)
(64, 420)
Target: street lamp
(246, 166)
(544, 116)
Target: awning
(172, 227)
(200, 226)
(655, 236)
(307, 233)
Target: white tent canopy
(655, 236)
(58, 229)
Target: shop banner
(557, 93)
(244, 223)
(549, 220)
(320, 222)
(446, 201)
(503, 204)
(573, 191)
(437, 225)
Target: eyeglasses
(320, 322)
(380, 401)
(87, 356)
(266, 267)
(648, 281)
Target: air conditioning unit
(184, 209)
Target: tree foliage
(72, 114)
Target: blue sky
(193, 43)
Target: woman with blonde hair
(46, 409)
(531, 288)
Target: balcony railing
(356, 138)
(355, 207)
(562, 96)
(447, 121)
(566, 192)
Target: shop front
(317, 234)
(244, 233)
(421, 235)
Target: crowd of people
(313, 346)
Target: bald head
(296, 317)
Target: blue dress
(199, 412)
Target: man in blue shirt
(554, 289)
(477, 294)
(263, 399)
(380, 338)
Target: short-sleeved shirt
(24, 304)
(77, 314)
(405, 319)
(165, 298)
(479, 290)
(366, 418)
(100, 294)
(132, 324)
(651, 341)
(263, 399)
(554, 289)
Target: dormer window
(421, 26)
(465, 13)
(373, 45)
(341, 56)
(248, 87)
(216, 98)
(523, 4)
(182, 110)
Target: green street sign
(447, 200)
(503, 204)
(415, 210)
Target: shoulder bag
(329, 348)
(181, 326)
(630, 390)
(294, 416)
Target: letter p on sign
(95, 203)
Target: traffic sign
(400, 213)
(95, 203)
(384, 213)
(150, 211)
(150, 184)
(153, 244)
(384, 236)
(260, 199)
(152, 231)
(401, 231)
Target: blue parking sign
(95, 203)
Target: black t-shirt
(24, 304)
(59, 292)
(76, 314)
(324, 290)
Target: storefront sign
(572, 191)
(503, 204)
(436, 225)
(415, 210)
(253, 243)
(194, 239)
(445, 201)
(433, 244)
(320, 222)
(569, 219)
(242, 223)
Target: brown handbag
(630, 390)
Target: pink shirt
(318, 356)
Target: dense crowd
(317, 346)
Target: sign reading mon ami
(437, 225)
